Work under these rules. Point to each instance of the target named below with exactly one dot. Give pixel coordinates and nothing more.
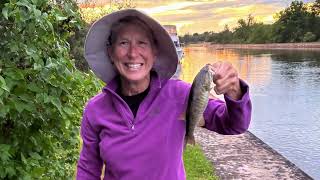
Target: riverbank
(315, 46)
(246, 157)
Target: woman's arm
(89, 163)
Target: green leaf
(4, 110)
(68, 110)
(50, 26)
(67, 123)
(23, 159)
(37, 66)
(3, 84)
(30, 107)
(37, 172)
(35, 155)
(16, 74)
(34, 141)
(2, 174)
(30, 51)
(27, 177)
(10, 171)
(5, 12)
(46, 98)
(60, 18)
(34, 87)
(4, 152)
(56, 101)
(37, 13)
(19, 105)
(23, 3)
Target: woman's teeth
(134, 66)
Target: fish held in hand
(198, 100)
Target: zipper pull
(132, 126)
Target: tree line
(297, 23)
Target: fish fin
(201, 122)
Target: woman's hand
(226, 80)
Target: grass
(196, 165)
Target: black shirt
(135, 100)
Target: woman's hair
(126, 21)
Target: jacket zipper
(131, 122)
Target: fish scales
(198, 100)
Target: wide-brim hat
(95, 50)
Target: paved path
(245, 157)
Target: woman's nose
(133, 51)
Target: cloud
(210, 15)
(169, 7)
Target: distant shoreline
(289, 46)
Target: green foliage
(243, 31)
(309, 37)
(224, 36)
(316, 8)
(260, 33)
(41, 93)
(196, 165)
(294, 22)
(76, 42)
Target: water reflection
(250, 69)
(285, 93)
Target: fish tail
(189, 140)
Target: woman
(135, 126)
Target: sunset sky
(192, 16)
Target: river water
(285, 93)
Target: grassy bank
(196, 165)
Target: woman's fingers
(226, 78)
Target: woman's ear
(109, 51)
(155, 51)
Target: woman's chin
(136, 77)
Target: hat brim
(96, 46)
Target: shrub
(309, 37)
(41, 93)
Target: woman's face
(133, 53)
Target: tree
(309, 37)
(316, 13)
(261, 33)
(316, 7)
(243, 30)
(293, 23)
(41, 93)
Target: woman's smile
(133, 66)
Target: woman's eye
(123, 42)
(143, 43)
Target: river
(285, 93)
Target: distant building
(172, 30)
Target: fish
(198, 101)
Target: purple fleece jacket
(150, 145)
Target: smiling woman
(135, 126)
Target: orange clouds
(205, 15)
